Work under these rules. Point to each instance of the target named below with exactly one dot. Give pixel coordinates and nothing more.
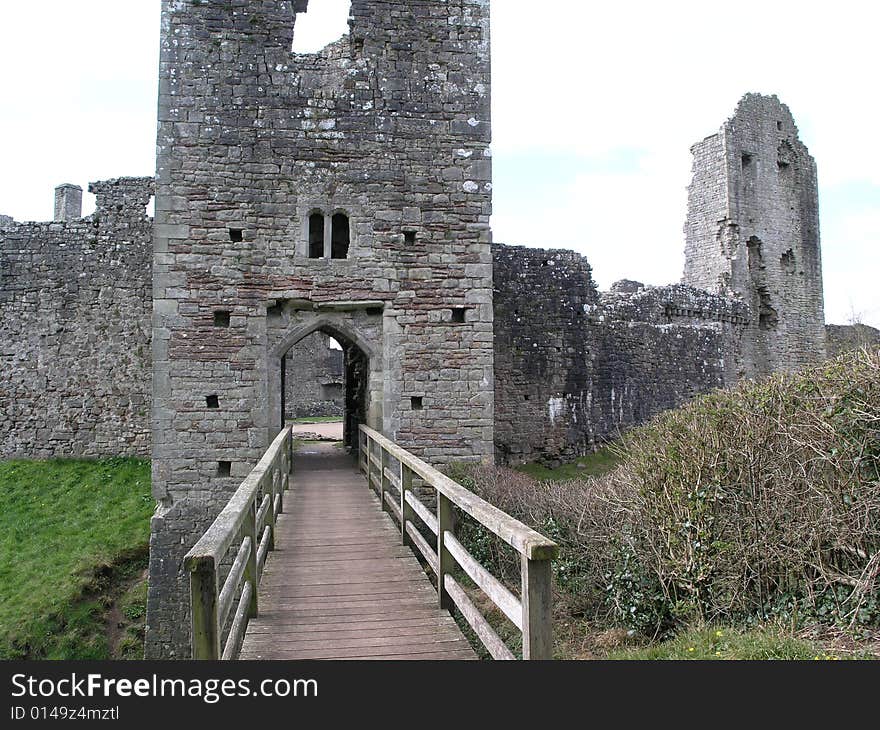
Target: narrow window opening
(409, 238)
(779, 126)
(768, 317)
(746, 159)
(316, 236)
(224, 468)
(340, 237)
(756, 254)
(221, 318)
(417, 403)
(213, 401)
(236, 235)
(458, 315)
(358, 45)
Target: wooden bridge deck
(339, 584)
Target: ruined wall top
(753, 232)
(124, 194)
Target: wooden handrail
(532, 612)
(247, 522)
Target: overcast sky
(595, 108)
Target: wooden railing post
(537, 609)
(249, 529)
(383, 480)
(445, 561)
(203, 590)
(290, 452)
(406, 510)
(277, 484)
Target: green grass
(317, 419)
(133, 609)
(69, 531)
(593, 465)
(725, 643)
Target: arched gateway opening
(325, 371)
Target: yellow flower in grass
(690, 648)
(719, 634)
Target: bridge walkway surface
(340, 585)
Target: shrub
(759, 501)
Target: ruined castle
(348, 193)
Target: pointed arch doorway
(361, 368)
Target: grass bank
(592, 465)
(74, 535)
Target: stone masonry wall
(75, 310)
(574, 367)
(843, 338)
(753, 231)
(390, 126)
(314, 380)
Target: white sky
(595, 108)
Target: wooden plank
(233, 581)
(263, 550)
(340, 585)
(422, 545)
(379, 588)
(537, 621)
(239, 624)
(445, 526)
(496, 591)
(497, 648)
(203, 594)
(392, 505)
(389, 649)
(452, 655)
(422, 511)
(338, 638)
(521, 537)
(354, 623)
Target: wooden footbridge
(306, 562)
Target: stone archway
(359, 334)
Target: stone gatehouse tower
(347, 192)
(753, 232)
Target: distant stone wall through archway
(358, 331)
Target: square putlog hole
(417, 403)
(221, 318)
(213, 401)
(224, 468)
(409, 237)
(458, 315)
(236, 235)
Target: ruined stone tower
(347, 192)
(753, 231)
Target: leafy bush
(759, 501)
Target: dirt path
(324, 431)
